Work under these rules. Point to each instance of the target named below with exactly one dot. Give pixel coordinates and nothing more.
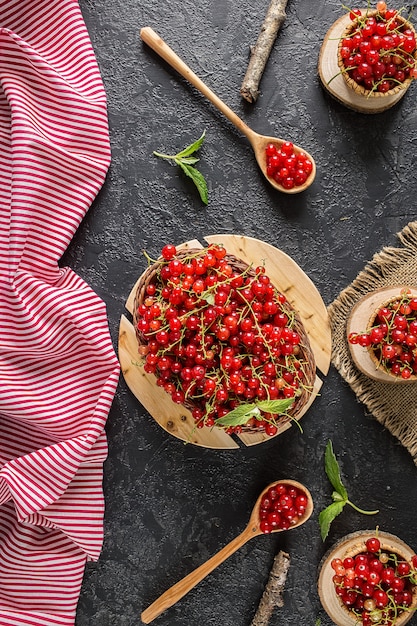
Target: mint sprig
(339, 495)
(187, 162)
(241, 414)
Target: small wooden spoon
(181, 588)
(258, 142)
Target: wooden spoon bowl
(257, 141)
(181, 588)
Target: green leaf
(332, 470)
(275, 406)
(186, 160)
(208, 296)
(239, 416)
(198, 180)
(327, 516)
(337, 497)
(192, 147)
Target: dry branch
(272, 596)
(274, 19)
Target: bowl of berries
(369, 578)
(372, 54)
(382, 334)
(222, 341)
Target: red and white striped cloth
(58, 369)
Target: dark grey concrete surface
(170, 506)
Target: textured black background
(171, 506)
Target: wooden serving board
(336, 85)
(301, 293)
(358, 321)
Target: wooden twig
(274, 19)
(272, 596)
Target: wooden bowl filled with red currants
(377, 52)
(222, 341)
(369, 58)
(369, 579)
(387, 348)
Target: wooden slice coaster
(358, 322)
(302, 295)
(336, 85)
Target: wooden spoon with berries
(286, 167)
(283, 505)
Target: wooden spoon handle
(182, 587)
(154, 41)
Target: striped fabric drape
(58, 369)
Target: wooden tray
(334, 82)
(358, 322)
(301, 294)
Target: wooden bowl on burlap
(152, 275)
(374, 355)
(352, 84)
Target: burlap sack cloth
(394, 406)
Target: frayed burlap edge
(394, 406)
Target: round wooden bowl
(360, 89)
(350, 546)
(300, 292)
(372, 354)
(335, 82)
(361, 318)
(151, 275)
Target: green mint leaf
(208, 296)
(239, 416)
(275, 406)
(327, 516)
(337, 497)
(198, 180)
(186, 160)
(332, 470)
(192, 147)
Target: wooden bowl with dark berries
(216, 351)
(369, 578)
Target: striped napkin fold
(58, 368)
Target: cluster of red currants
(281, 507)
(378, 53)
(218, 335)
(375, 585)
(285, 166)
(393, 336)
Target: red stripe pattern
(58, 369)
